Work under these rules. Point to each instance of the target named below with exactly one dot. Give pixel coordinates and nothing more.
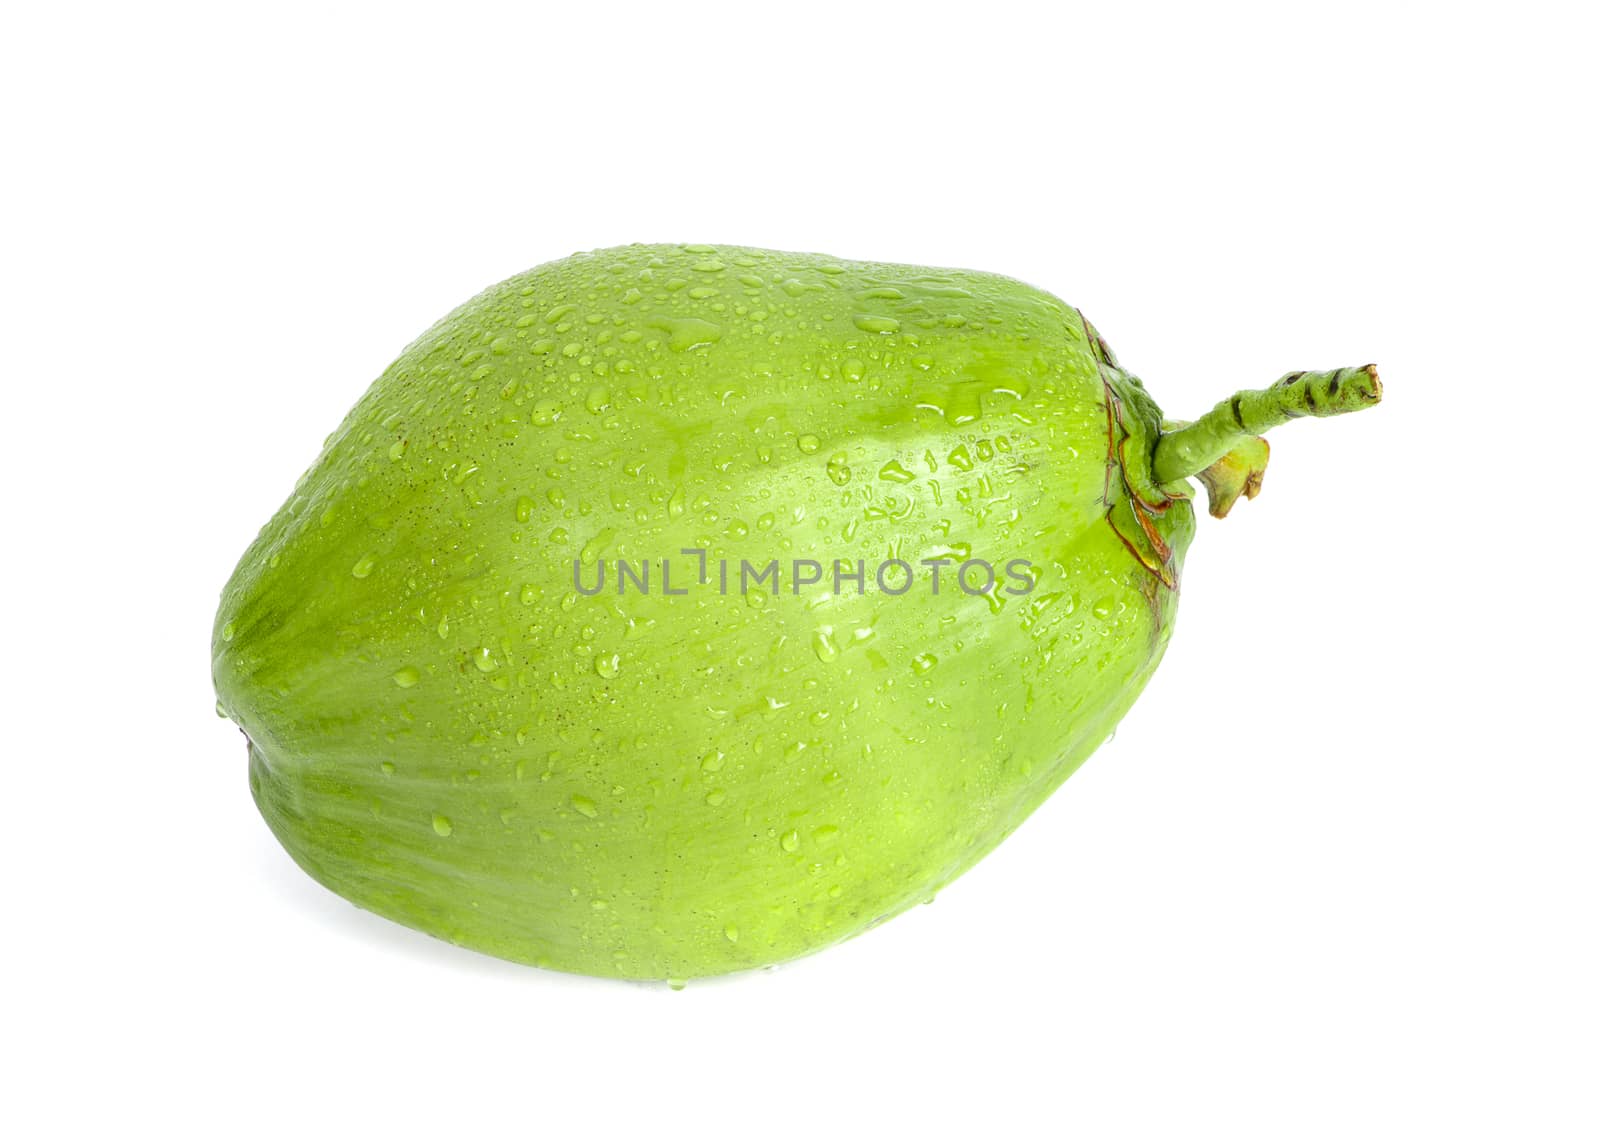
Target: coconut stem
(1187, 451)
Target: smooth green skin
(668, 787)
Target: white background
(1335, 879)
